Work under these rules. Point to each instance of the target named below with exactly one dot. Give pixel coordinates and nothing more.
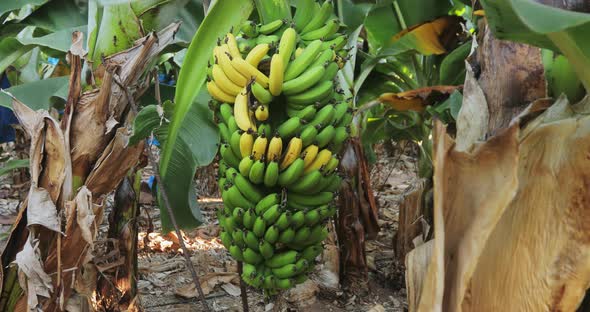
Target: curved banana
(259, 147)
(242, 112)
(257, 54)
(246, 143)
(321, 159)
(218, 94)
(309, 78)
(287, 44)
(317, 93)
(304, 13)
(309, 154)
(330, 28)
(222, 58)
(249, 71)
(277, 69)
(292, 152)
(320, 17)
(223, 82)
(271, 27)
(300, 64)
(232, 45)
(275, 148)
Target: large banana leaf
(192, 138)
(37, 94)
(543, 26)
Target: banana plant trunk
(357, 216)
(52, 257)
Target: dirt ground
(165, 283)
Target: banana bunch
(282, 121)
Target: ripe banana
(249, 71)
(257, 54)
(261, 112)
(292, 153)
(275, 79)
(259, 147)
(310, 153)
(223, 82)
(222, 56)
(275, 148)
(232, 45)
(242, 112)
(321, 159)
(219, 94)
(246, 143)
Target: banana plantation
(294, 155)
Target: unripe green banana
(226, 239)
(230, 175)
(245, 165)
(256, 174)
(305, 81)
(222, 168)
(224, 132)
(267, 202)
(281, 259)
(259, 227)
(265, 128)
(287, 236)
(297, 219)
(269, 282)
(330, 28)
(301, 63)
(228, 156)
(340, 110)
(266, 249)
(237, 199)
(238, 237)
(232, 125)
(311, 252)
(251, 240)
(283, 221)
(301, 265)
(340, 135)
(325, 136)
(312, 217)
(236, 252)
(271, 27)
(320, 17)
(334, 184)
(324, 181)
(271, 39)
(272, 234)
(249, 218)
(254, 282)
(326, 211)
(301, 235)
(226, 111)
(249, 270)
(327, 56)
(289, 128)
(285, 271)
(292, 173)
(245, 45)
(287, 45)
(304, 13)
(251, 256)
(225, 197)
(272, 214)
(331, 165)
(251, 192)
(309, 134)
(330, 72)
(311, 200)
(306, 183)
(320, 91)
(300, 278)
(234, 143)
(284, 283)
(324, 116)
(318, 234)
(271, 176)
(337, 43)
(238, 215)
(249, 28)
(261, 94)
(307, 113)
(345, 121)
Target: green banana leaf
(270, 10)
(561, 77)
(14, 5)
(452, 68)
(57, 15)
(380, 24)
(192, 137)
(543, 26)
(37, 94)
(13, 164)
(10, 50)
(60, 40)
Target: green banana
(230, 174)
(226, 111)
(301, 265)
(249, 28)
(226, 239)
(310, 96)
(319, 17)
(325, 136)
(234, 142)
(271, 27)
(340, 110)
(222, 168)
(326, 211)
(225, 197)
(238, 215)
(324, 181)
(307, 113)
(285, 271)
(266, 249)
(249, 218)
(271, 176)
(330, 72)
(301, 63)
(272, 234)
(303, 14)
(318, 234)
(332, 164)
(287, 44)
(309, 134)
(232, 125)
(329, 29)
(325, 57)
(305, 81)
(311, 252)
(334, 184)
(301, 235)
(288, 128)
(283, 221)
(311, 200)
(281, 259)
(272, 214)
(269, 282)
(340, 135)
(251, 256)
(237, 199)
(306, 183)
(270, 39)
(287, 236)
(256, 174)
(324, 116)
(250, 191)
(259, 227)
(312, 217)
(297, 219)
(265, 128)
(245, 165)
(284, 283)
(300, 278)
(261, 94)
(228, 156)
(251, 240)
(254, 282)
(236, 252)
(267, 202)
(238, 237)
(337, 43)
(249, 270)
(224, 132)
(345, 121)
(292, 173)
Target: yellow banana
(309, 154)
(287, 44)
(275, 148)
(242, 113)
(275, 79)
(292, 153)
(223, 82)
(232, 45)
(246, 143)
(323, 158)
(221, 54)
(257, 54)
(249, 71)
(261, 112)
(218, 94)
(259, 148)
